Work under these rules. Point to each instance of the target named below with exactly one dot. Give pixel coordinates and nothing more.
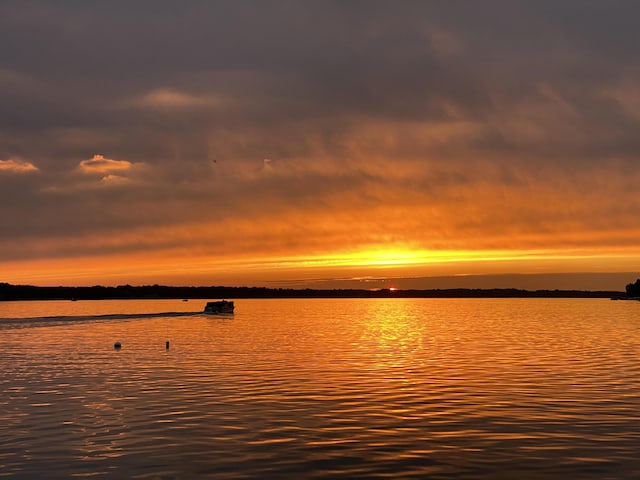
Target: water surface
(340, 388)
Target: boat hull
(222, 306)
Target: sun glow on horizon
(390, 258)
(177, 268)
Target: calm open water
(309, 389)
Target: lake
(314, 388)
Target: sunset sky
(305, 143)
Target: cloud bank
(255, 130)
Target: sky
(302, 143)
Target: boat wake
(65, 319)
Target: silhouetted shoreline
(10, 292)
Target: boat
(220, 306)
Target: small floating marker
(117, 345)
(167, 344)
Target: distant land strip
(10, 292)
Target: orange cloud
(17, 166)
(98, 164)
(112, 179)
(169, 98)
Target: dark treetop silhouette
(633, 289)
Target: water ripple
(479, 389)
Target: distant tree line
(30, 292)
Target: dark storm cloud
(353, 102)
(289, 60)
